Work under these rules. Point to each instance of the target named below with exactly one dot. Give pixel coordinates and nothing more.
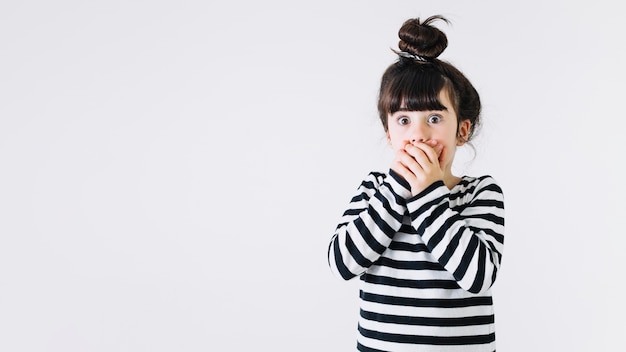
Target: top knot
(421, 39)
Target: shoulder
(479, 184)
(373, 181)
(375, 178)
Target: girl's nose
(419, 133)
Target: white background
(171, 172)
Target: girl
(426, 244)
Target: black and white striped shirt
(426, 263)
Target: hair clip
(406, 55)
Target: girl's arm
(467, 240)
(368, 225)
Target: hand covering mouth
(437, 147)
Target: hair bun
(421, 38)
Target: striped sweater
(426, 263)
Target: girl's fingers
(418, 157)
(409, 162)
(423, 153)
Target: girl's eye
(434, 119)
(404, 120)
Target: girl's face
(437, 128)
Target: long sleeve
(367, 227)
(465, 234)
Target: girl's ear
(388, 138)
(464, 128)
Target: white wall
(171, 171)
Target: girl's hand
(418, 164)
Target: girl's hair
(416, 79)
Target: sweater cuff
(398, 185)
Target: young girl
(426, 244)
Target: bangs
(415, 90)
